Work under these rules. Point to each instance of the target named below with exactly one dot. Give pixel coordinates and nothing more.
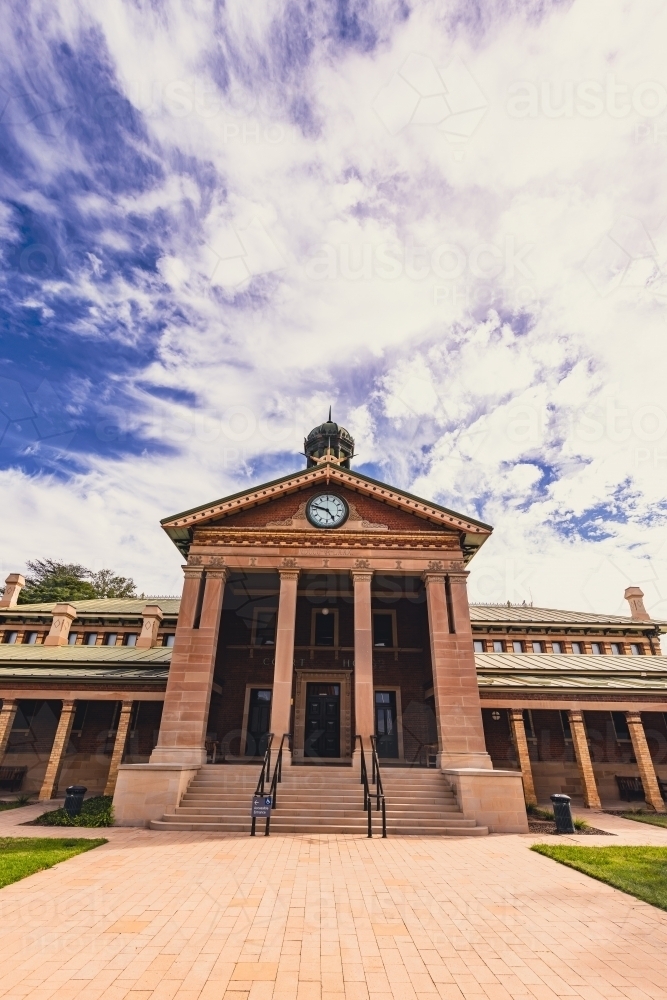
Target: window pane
(30, 638)
(557, 647)
(565, 722)
(576, 647)
(616, 649)
(498, 646)
(382, 630)
(169, 639)
(110, 639)
(71, 638)
(635, 650)
(382, 697)
(324, 629)
(11, 637)
(596, 649)
(620, 725)
(131, 639)
(91, 638)
(517, 647)
(528, 723)
(479, 645)
(265, 628)
(537, 647)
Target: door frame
(246, 711)
(303, 679)
(399, 715)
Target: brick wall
(368, 508)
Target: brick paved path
(154, 915)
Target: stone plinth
(148, 791)
(492, 798)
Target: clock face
(327, 511)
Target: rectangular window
(169, 639)
(537, 647)
(596, 649)
(71, 638)
(325, 627)
(498, 646)
(528, 724)
(616, 649)
(565, 723)
(90, 638)
(11, 637)
(79, 716)
(517, 646)
(478, 645)
(264, 633)
(635, 649)
(30, 638)
(110, 639)
(620, 726)
(576, 648)
(383, 629)
(130, 639)
(556, 647)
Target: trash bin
(74, 799)
(562, 814)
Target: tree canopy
(49, 580)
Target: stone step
(276, 828)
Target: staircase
(320, 800)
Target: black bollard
(562, 814)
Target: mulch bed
(546, 826)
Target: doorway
(386, 724)
(259, 720)
(322, 736)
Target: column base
(446, 759)
(148, 791)
(492, 798)
(186, 756)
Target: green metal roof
(82, 655)
(551, 671)
(103, 605)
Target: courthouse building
(331, 607)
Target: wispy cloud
(449, 221)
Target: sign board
(261, 806)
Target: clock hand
(325, 509)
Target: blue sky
(447, 221)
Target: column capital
(217, 572)
(192, 572)
(288, 572)
(362, 575)
(432, 575)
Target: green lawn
(640, 871)
(22, 856)
(654, 819)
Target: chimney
(14, 584)
(152, 615)
(635, 598)
(63, 616)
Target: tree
(49, 581)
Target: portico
(327, 608)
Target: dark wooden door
(386, 729)
(322, 720)
(259, 719)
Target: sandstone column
(364, 705)
(118, 746)
(188, 694)
(582, 753)
(521, 744)
(643, 755)
(58, 751)
(457, 704)
(7, 716)
(281, 699)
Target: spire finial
(329, 414)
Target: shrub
(96, 811)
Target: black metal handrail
(364, 782)
(263, 778)
(377, 781)
(278, 769)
